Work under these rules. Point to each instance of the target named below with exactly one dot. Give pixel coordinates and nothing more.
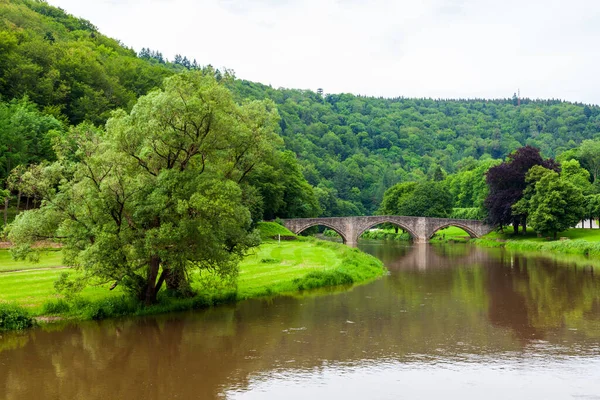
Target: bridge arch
(464, 227)
(325, 224)
(362, 230)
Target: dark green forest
(339, 154)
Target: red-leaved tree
(506, 183)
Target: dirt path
(34, 269)
(41, 244)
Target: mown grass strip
(272, 269)
(50, 258)
(584, 242)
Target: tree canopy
(423, 199)
(160, 192)
(350, 149)
(506, 183)
(556, 205)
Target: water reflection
(470, 309)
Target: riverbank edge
(570, 246)
(579, 247)
(354, 268)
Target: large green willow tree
(160, 192)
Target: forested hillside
(349, 148)
(66, 66)
(358, 146)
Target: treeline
(526, 188)
(58, 72)
(356, 147)
(65, 66)
(350, 149)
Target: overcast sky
(416, 48)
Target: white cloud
(433, 48)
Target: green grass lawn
(269, 269)
(451, 232)
(51, 258)
(584, 242)
(590, 235)
(276, 264)
(32, 288)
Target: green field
(584, 242)
(51, 258)
(274, 265)
(590, 235)
(270, 269)
(451, 233)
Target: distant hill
(351, 148)
(66, 66)
(360, 146)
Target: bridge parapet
(420, 228)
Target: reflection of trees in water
(439, 311)
(556, 296)
(507, 307)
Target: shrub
(467, 213)
(59, 306)
(105, 308)
(317, 279)
(14, 317)
(381, 234)
(270, 260)
(331, 233)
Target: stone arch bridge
(420, 228)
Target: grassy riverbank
(450, 234)
(584, 242)
(274, 268)
(576, 241)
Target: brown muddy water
(453, 322)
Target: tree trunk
(6, 200)
(524, 225)
(590, 222)
(516, 226)
(18, 201)
(178, 283)
(555, 235)
(150, 296)
(396, 229)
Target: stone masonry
(420, 228)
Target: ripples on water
(478, 378)
(448, 321)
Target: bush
(14, 317)
(270, 260)
(381, 234)
(105, 308)
(317, 279)
(59, 306)
(468, 213)
(331, 233)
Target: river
(449, 321)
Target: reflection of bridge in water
(421, 229)
(428, 257)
